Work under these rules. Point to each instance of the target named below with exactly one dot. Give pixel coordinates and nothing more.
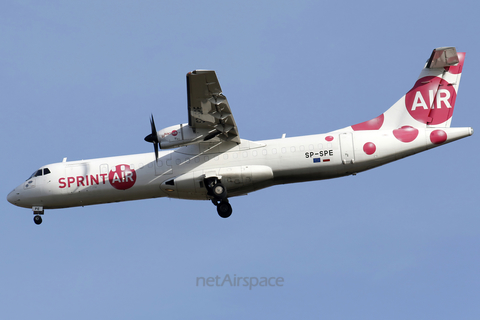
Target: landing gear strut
(218, 192)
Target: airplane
(205, 159)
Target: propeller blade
(155, 146)
(152, 137)
(152, 124)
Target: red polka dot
(373, 124)
(406, 133)
(438, 136)
(369, 148)
(329, 138)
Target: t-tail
(418, 121)
(429, 105)
(431, 101)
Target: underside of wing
(208, 108)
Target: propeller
(153, 137)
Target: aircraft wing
(208, 108)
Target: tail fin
(431, 101)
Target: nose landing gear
(37, 211)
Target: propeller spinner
(153, 137)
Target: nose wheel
(37, 219)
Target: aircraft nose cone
(13, 197)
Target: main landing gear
(218, 192)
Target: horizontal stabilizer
(443, 57)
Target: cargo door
(346, 148)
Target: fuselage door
(346, 148)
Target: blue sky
(79, 79)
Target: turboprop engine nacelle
(180, 135)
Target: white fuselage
(242, 168)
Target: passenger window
(46, 171)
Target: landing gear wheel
(37, 219)
(224, 209)
(219, 191)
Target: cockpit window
(39, 173)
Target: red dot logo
(374, 124)
(122, 177)
(438, 136)
(369, 148)
(406, 134)
(431, 100)
(174, 133)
